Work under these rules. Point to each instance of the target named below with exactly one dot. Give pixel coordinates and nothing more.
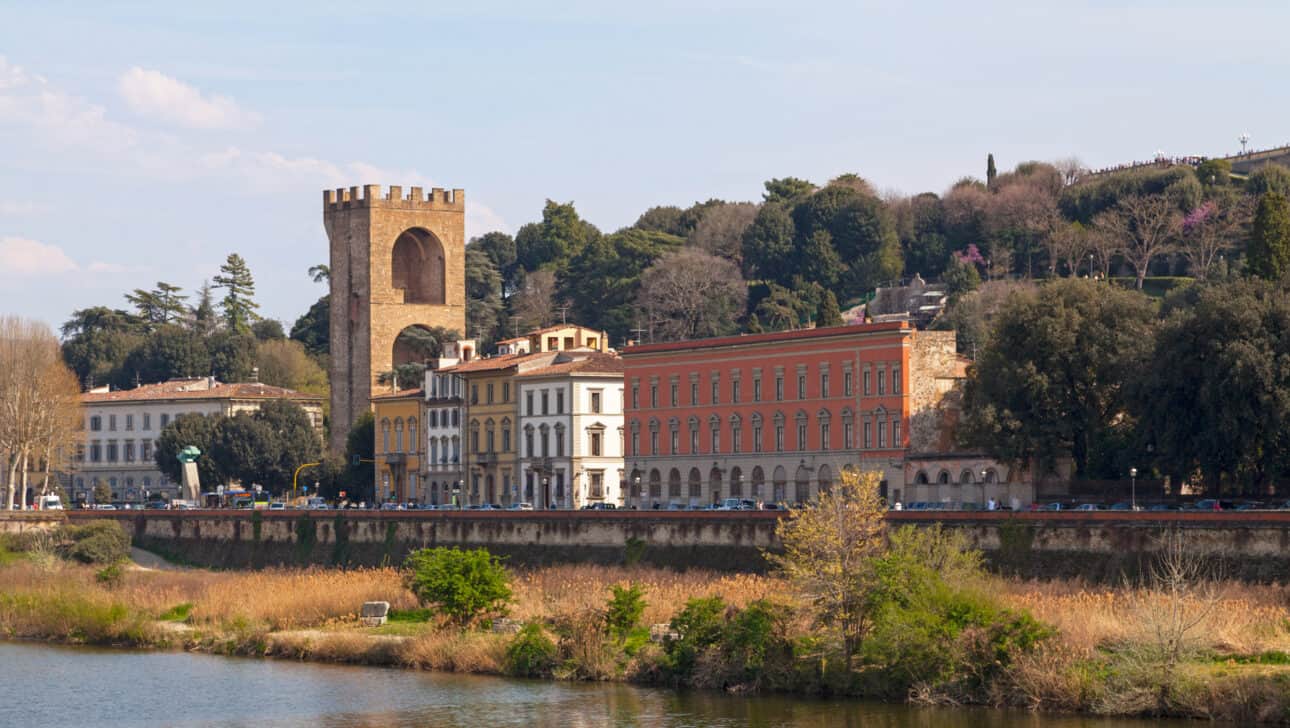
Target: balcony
(486, 459)
(394, 458)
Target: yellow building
(399, 446)
(561, 337)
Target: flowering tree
(1210, 229)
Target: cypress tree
(990, 171)
(1268, 256)
(828, 314)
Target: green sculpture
(189, 454)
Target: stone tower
(396, 262)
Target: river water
(43, 686)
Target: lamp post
(636, 488)
(1133, 488)
(546, 492)
(984, 474)
(1090, 266)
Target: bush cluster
(96, 542)
(465, 586)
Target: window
(636, 440)
(165, 420)
(757, 389)
(779, 437)
(596, 438)
(111, 451)
(694, 438)
(434, 418)
(145, 450)
(653, 442)
(676, 394)
(474, 437)
(653, 395)
(734, 391)
(455, 418)
(559, 441)
(636, 397)
(546, 442)
(676, 440)
(895, 433)
(398, 435)
(129, 422)
(490, 436)
(716, 438)
(96, 423)
(801, 386)
(129, 451)
(824, 384)
(506, 436)
(895, 379)
(412, 435)
(474, 394)
(490, 392)
(824, 435)
(96, 452)
(868, 436)
(779, 387)
(694, 392)
(559, 401)
(716, 390)
(882, 382)
(528, 403)
(848, 387)
(595, 403)
(506, 391)
(112, 422)
(546, 402)
(736, 434)
(597, 485)
(528, 441)
(801, 435)
(867, 389)
(882, 435)
(757, 437)
(848, 434)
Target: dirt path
(148, 560)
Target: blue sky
(145, 141)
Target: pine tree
(159, 306)
(1268, 255)
(204, 313)
(990, 171)
(238, 304)
(828, 313)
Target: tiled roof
(497, 363)
(560, 327)
(401, 394)
(591, 364)
(191, 389)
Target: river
(44, 686)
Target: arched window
(758, 482)
(490, 435)
(674, 483)
(655, 484)
(965, 477)
(474, 436)
(943, 478)
(736, 482)
(802, 485)
(779, 485)
(412, 435)
(825, 479)
(506, 434)
(695, 484)
(921, 478)
(417, 267)
(714, 484)
(398, 434)
(385, 435)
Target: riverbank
(1102, 650)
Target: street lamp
(1090, 266)
(546, 492)
(984, 474)
(1133, 485)
(636, 486)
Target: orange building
(775, 417)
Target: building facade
(444, 421)
(122, 427)
(571, 431)
(398, 451)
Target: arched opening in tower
(416, 267)
(417, 343)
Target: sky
(144, 142)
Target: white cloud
(154, 94)
(27, 257)
(29, 100)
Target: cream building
(122, 427)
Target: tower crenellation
(438, 198)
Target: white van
(49, 503)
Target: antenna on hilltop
(1245, 140)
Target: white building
(122, 427)
(444, 420)
(571, 431)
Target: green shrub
(110, 576)
(96, 542)
(177, 613)
(464, 586)
(626, 606)
(698, 626)
(409, 616)
(531, 653)
(754, 651)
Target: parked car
(277, 506)
(1214, 504)
(1054, 507)
(1090, 507)
(1251, 506)
(521, 507)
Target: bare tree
(1071, 168)
(1211, 229)
(39, 405)
(690, 294)
(1067, 244)
(1024, 211)
(721, 230)
(1145, 227)
(534, 303)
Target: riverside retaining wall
(1101, 546)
